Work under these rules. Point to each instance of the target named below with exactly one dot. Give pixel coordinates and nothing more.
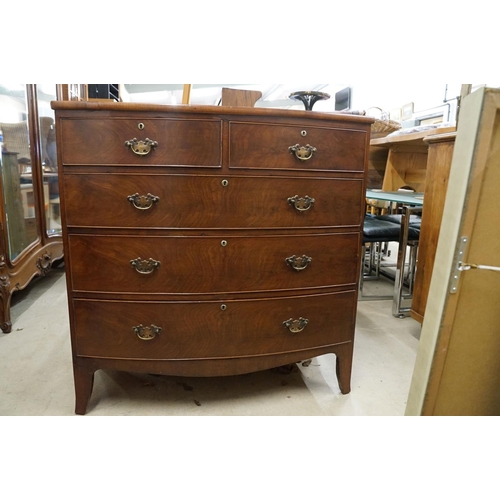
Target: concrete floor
(37, 380)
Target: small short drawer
(215, 329)
(208, 264)
(188, 201)
(283, 147)
(110, 141)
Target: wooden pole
(465, 90)
(186, 93)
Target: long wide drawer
(188, 201)
(110, 141)
(278, 147)
(197, 265)
(204, 330)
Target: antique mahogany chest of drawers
(209, 241)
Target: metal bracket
(460, 266)
(457, 266)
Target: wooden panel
(186, 93)
(407, 159)
(457, 369)
(102, 141)
(438, 170)
(470, 382)
(377, 163)
(405, 168)
(238, 97)
(260, 146)
(202, 330)
(203, 265)
(203, 202)
(409, 139)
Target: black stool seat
(380, 230)
(415, 222)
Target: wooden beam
(465, 90)
(237, 97)
(186, 93)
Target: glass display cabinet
(30, 225)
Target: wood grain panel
(260, 146)
(202, 330)
(203, 202)
(436, 185)
(405, 168)
(202, 265)
(102, 142)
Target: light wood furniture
(210, 240)
(377, 164)
(458, 361)
(238, 97)
(186, 93)
(30, 243)
(440, 155)
(420, 161)
(406, 158)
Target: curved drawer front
(103, 142)
(203, 330)
(178, 201)
(197, 265)
(262, 146)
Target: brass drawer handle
(141, 148)
(303, 153)
(296, 325)
(142, 202)
(299, 263)
(145, 266)
(301, 204)
(147, 332)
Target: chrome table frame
(410, 203)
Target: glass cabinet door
(17, 170)
(45, 94)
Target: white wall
(390, 96)
(11, 109)
(425, 96)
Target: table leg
(397, 305)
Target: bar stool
(413, 240)
(377, 231)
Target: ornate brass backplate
(303, 153)
(44, 263)
(301, 204)
(299, 263)
(296, 325)
(145, 266)
(141, 148)
(147, 332)
(143, 202)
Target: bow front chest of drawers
(209, 241)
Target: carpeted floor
(37, 379)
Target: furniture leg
(5, 297)
(397, 309)
(411, 267)
(84, 383)
(344, 367)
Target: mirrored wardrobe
(30, 232)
